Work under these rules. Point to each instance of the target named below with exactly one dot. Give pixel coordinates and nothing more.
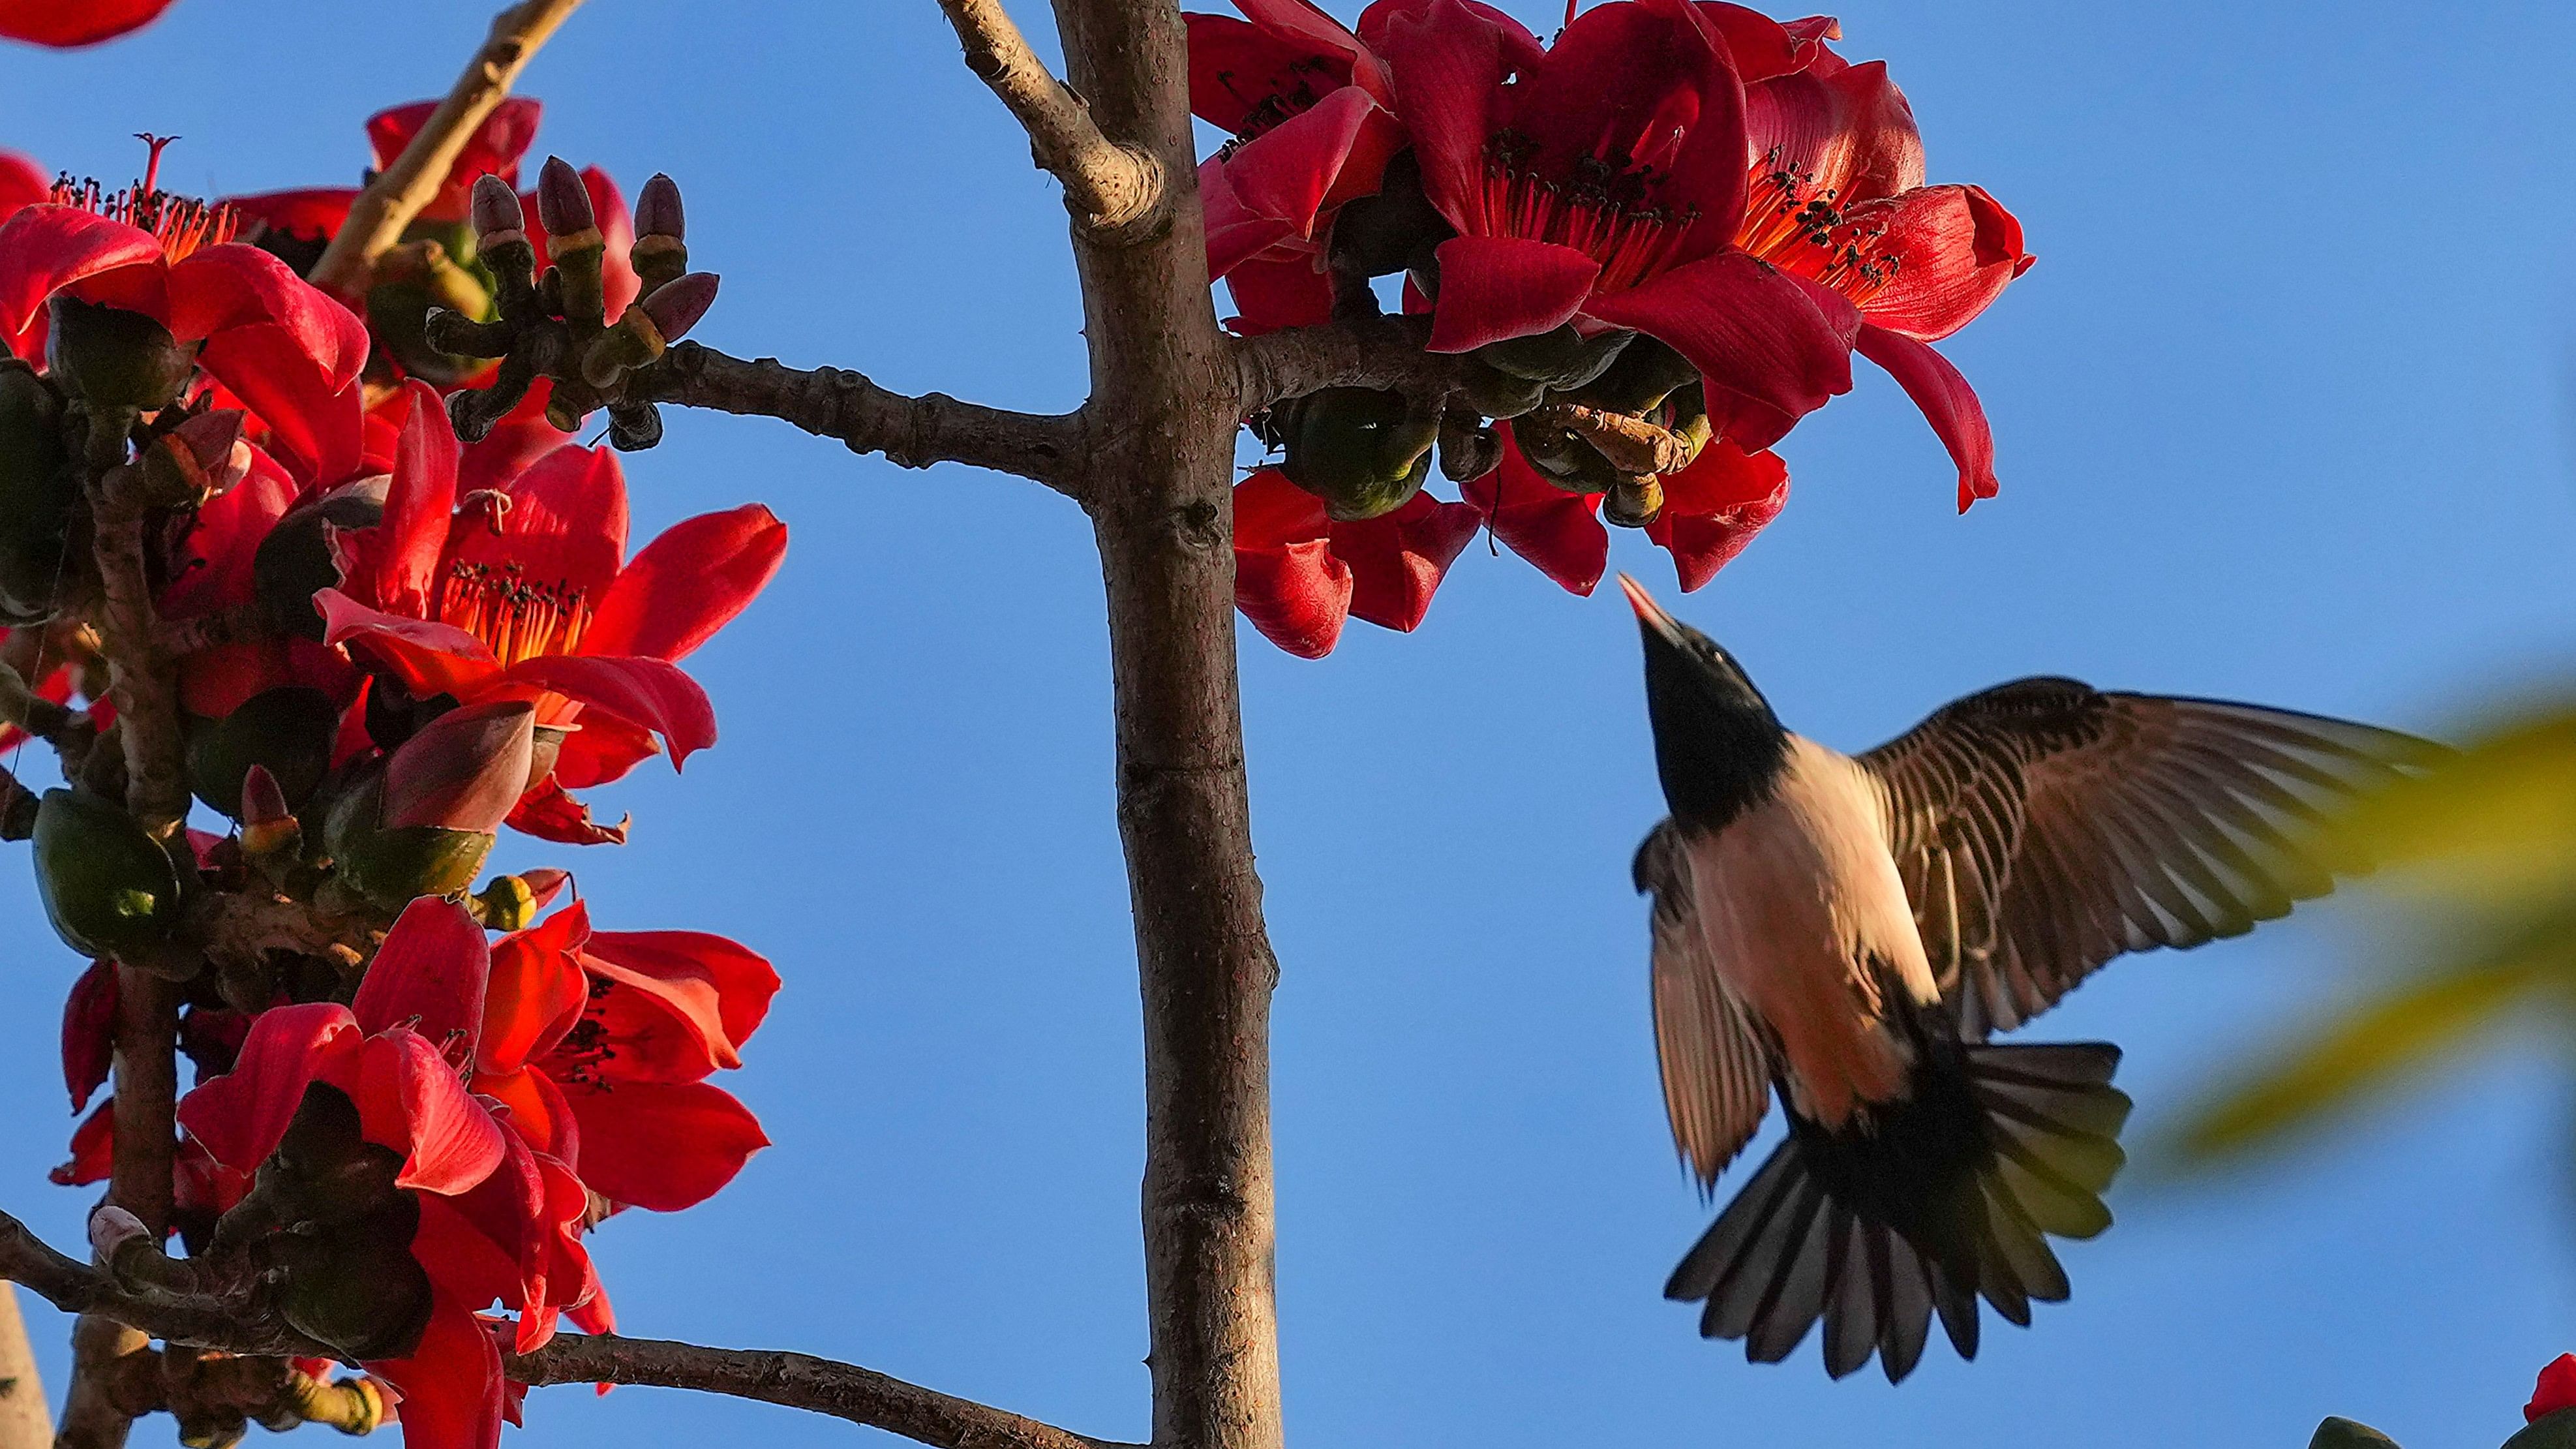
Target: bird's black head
(1718, 746)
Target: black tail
(1918, 1209)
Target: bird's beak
(1650, 615)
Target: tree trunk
(1162, 419)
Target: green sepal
(38, 486)
(1644, 374)
(1563, 359)
(1364, 452)
(113, 358)
(289, 729)
(107, 886)
(357, 1287)
(2554, 1430)
(294, 562)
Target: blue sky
(2283, 413)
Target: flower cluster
(1657, 242)
(418, 1088)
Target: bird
(1848, 932)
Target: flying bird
(1847, 932)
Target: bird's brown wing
(2043, 827)
(1716, 1062)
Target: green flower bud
(357, 1287)
(1364, 452)
(1395, 230)
(108, 887)
(2345, 1434)
(113, 358)
(295, 561)
(2556, 1430)
(1642, 375)
(1563, 359)
(38, 487)
(288, 730)
(1564, 459)
(1497, 394)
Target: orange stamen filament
(1600, 213)
(1809, 234)
(182, 224)
(517, 619)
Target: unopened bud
(112, 1232)
(498, 218)
(658, 211)
(268, 827)
(676, 305)
(196, 460)
(563, 202)
(107, 886)
(660, 254)
(114, 358)
(506, 903)
(1364, 452)
(465, 770)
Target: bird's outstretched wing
(2043, 827)
(1716, 1063)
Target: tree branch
(1380, 352)
(397, 194)
(798, 1381)
(1117, 193)
(831, 402)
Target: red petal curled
(719, 990)
(411, 1100)
(1273, 188)
(495, 148)
(317, 433)
(565, 522)
(46, 248)
(430, 975)
(1286, 579)
(1749, 329)
(1560, 532)
(1713, 508)
(22, 183)
(2555, 1390)
(688, 583)
(1398, 560)
(312, 215)
(1954, 249)
(451, 1384)
(240, 1115)
(1948, 404)
(537, 990)
(649, 692)
(1448, 64)
(429, 659)
(217, 288)
(1494, 288)
(1850, 131)
(548, 813)
(93, 1150)
(398, 561)
(1649, 81)
(662, 1146)
(66, 23)
(89, 1031)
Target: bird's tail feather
(1878, 1227)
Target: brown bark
(1162, 418)
(1110, 186)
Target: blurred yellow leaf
(2378, 1045)
(2495, 824)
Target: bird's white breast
(1796, 896)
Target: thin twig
(377, 218)
(831, 402)
(1115, 191)
(798, 1381)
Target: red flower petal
(429, 975)
(46, 248)
(65, 23)
(215, 289)
(1289, 292)
(1713, 508)
(1449, 64)
(1242, 72)
(662, 1146)
(216, 568)
(428, 659)
(565, 522)
(1397, 560)
(93, 1150)
(688, 583)
(537, 990)
(547, 813)
(1752, 330)
(653, 693)
(312, 215)
(1286, 579)
(240, 1115)
(451, 1384)
(89, 1031)
(1948, 404)
(317, 433)
(1271, 189)
(1558, 531)
(1850, 130)
(1762, 47)
(1649, 81)
(1955, 248)
(718, 989)
(400, 560)
(2556, 1389)
(410, 1100)
(535, 1108)
(1494, 288)
(22, 183)
(495, 148)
